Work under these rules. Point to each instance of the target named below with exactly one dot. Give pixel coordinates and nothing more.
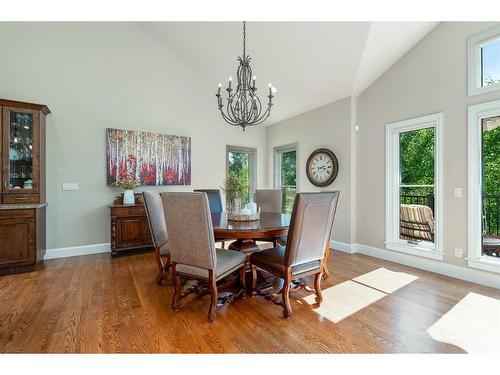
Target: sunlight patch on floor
(473, 324)
(345, 299)
(385, 280)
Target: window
(484, 189)
(241, 165)
(483, 52)
(285, 174)
(413, 186)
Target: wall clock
(322, 167)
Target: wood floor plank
(99, 304)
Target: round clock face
(322, 167)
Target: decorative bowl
(233, 216)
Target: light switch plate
(458, 252)
(70, 186)
(457, 192)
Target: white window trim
(277, 164)
(474, 44)
(392, 241)
(475, 258)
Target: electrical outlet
(70, 186)
(458, 192)
(458, 252)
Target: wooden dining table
(246, 233)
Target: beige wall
(431, 77)
(99, 75)
(328, 126)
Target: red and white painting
(150, 158)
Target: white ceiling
(310, 63)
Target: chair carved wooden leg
(285, 295)
(324, 265)
(214, 296)
(177, 291)
(317, 288)
(164, 266)
(243, 281)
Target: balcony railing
(424, 200)
(491, 209)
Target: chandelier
(243, 107)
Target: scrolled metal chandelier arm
(243, 107)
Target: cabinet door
(20, 150)
(17, 247)
(129, 232)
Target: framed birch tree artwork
(150, 158)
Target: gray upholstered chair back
(190, 231)
(269, 200)
(156, 217)
(214, 199)
(310, 227)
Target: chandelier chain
(244, 40)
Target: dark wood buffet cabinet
(129, 225)
(22, 188)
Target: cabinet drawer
(128, 211)
(21, 198)
(16, 214)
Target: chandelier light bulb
(220, 84)
(230, 78)
(274, 90)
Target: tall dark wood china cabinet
(22, 188)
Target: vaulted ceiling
(310, 63)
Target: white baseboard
(77, 250)
(342, 246)
(436, 266)
(463, 273)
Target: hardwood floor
(95, 304)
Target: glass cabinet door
(20, 147)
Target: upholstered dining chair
(156, 218)
(215, 202)
(310, 227)
(192, 247)
(326, 273)
(269, 201)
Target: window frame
(392, 199)
(277, 151)
(476, 113)
(474, 61)
(252, 164)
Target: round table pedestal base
(245, 246)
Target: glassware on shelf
(20, 153)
